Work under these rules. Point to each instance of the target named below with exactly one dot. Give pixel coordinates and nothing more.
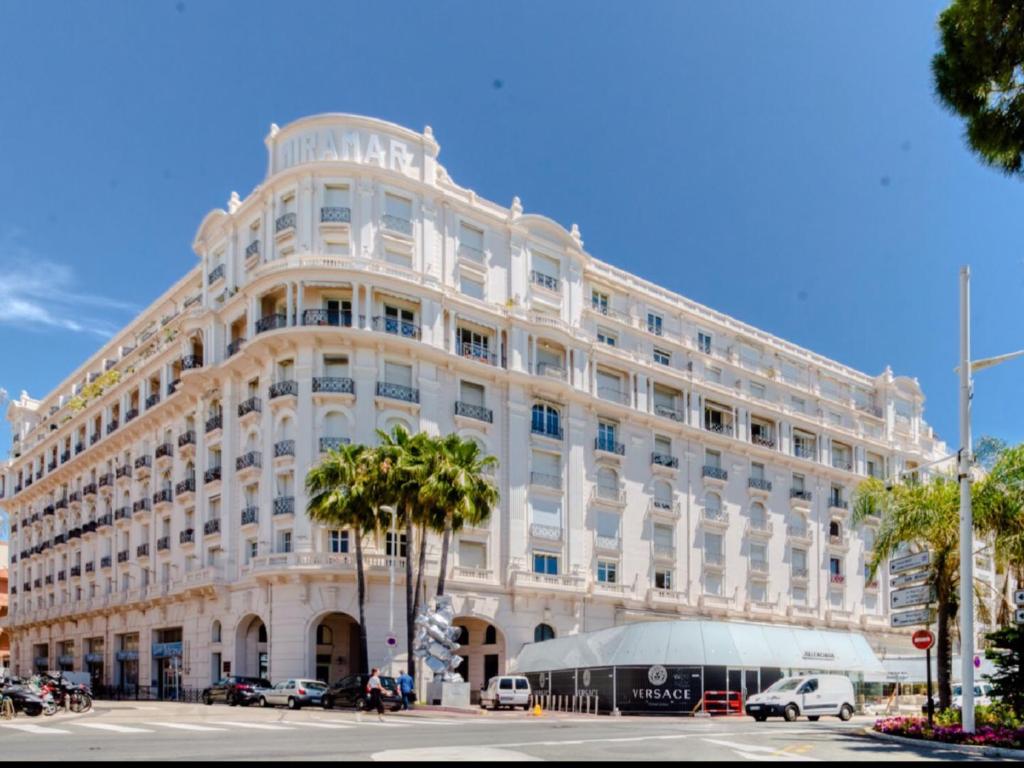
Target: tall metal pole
(966, 517)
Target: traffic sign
(906, 579)
(1018, 597)
(910, 562)
(922, 639)
(1019, 615)
(391, 640)
(905, 598)
(910, 618)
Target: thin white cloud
(38, 294)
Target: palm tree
(461, 490)
(337, 492)
(999, 498)
(924, 516)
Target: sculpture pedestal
(448, 694)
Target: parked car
(293, 694)
(235, 690)
(351, 692)
(810, 695)
(506, 691)
(982, 697)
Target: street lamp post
(966, 516)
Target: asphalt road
(158, 730)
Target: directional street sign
(910, 562)
(904, 598)
(1018, 597)
(905, 579)
(1019, 615)
(910, 618)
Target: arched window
(546, 420)
(543, 632)
(834, 529)
(490, 635)
(607, 482)
(215, 632)
(757, 516)
(324, 635)
(262, 636)
(463, 636)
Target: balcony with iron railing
(285, 388)
(163, 543)
(718, 427)
(188, 536)
(211, 527)
(799, 495)
(546, 532)
(479, 352)
(142, 550)
(249, 460)
(284, 448)
(122, 556)
(608, 494)
(397, 224)
(803, 451)
(712, 472)
(837, 579)
(252, 249)
(143, 463)
(284, 223)
(608, 445)
(544, 281)
(152, 400)
(188, 485)
(105, 480)
(765, 440)
(664, 460)
(124, 471)
(329, 317)
(333, 443)
(842, 462)
(472, 411)
(217, 273)
(164, 496)
(191, 362)
(335, 214)
(249, 406)
(665, 507)
(271, 322)
(759, 484)
(668, 412)
(398, 392)
(714, 517)
(284, 505)
(187, 438)
(235, 346)
(551, 371)
(214, 423)
(250, 516)
(164, 451)
(396, 327)
(142, 505)
(334, 385)
(212, 474)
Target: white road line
(112, 727)
(187, 726)
(256, 726)
(756, 751)
(317, 725)
(553, 743)
(30, 728)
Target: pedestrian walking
(376, 691)
(404, 687)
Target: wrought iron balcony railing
(335, 214)
(284, 505)
(471, 411)
(212, 474)
(188, 485)
(252, 405)
(334, 384)
(545, 281)
(187, 438)
(250, 515)
(716, 473)
(797, 493)
(396, 327)
(165, 496)
(211, 526)
(188, 536)
(164, 450)
(397, 224)
(284, 222)
(335, 317)
(234, 346)
(398, 392)
(217, 273)
(152, 400)
(669, 413)
(143, 462)
(609, 445)
(332, 443)
(759, 483)
(271, 322)
(665, 460)
(252, 249)
(214, 423)
(250, 460)
(284, 448)
(281, 388)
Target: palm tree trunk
(361, 588)
(421, 562)
(410, 607)
(445, 542)
(944, 648)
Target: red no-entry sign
(922, 639)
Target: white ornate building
(657, 458)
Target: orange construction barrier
(723, 702)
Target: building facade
(5, 640)
(658, 459)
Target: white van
(506, 691)
(811, 695)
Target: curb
(965, 749)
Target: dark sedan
(351, 692)
(235, 690)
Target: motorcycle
(79, 697)
(24, 700)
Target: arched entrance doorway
(335, 644)
(483, 648)
(252, 649)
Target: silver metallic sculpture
(435, 640)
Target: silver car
(294, 694)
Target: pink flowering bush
(984, 735)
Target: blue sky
(784, 162)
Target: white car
(294, 694)
(982, 695)
(506, 691)
(810, 695)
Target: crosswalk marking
(30, 728)
(187, 726)
(112, 727)
(257, 726)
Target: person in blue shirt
(404, 687)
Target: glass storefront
(94, 659)
(167, 650)
(127, 658)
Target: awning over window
(705, 643)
